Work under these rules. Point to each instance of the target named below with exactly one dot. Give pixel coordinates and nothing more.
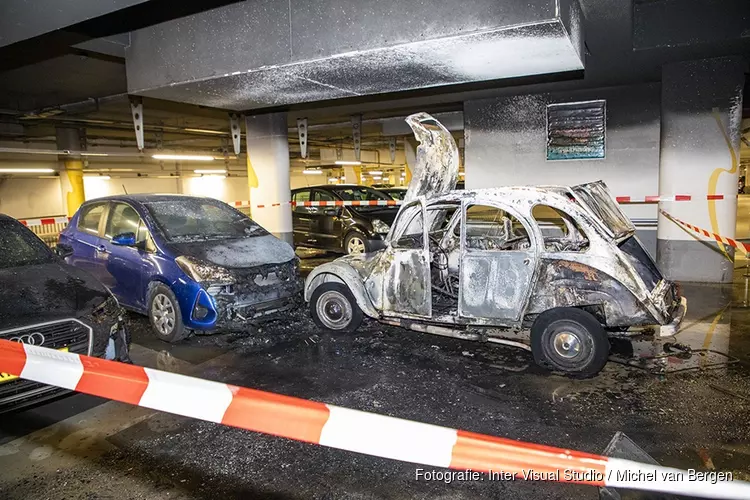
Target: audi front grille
(70, 334)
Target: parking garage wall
(40, 197)
(506, 144)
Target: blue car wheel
(165, 315)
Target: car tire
(356, 243)
(164, 314)
(571, 341)
(334, 309)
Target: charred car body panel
(49, 303)
(505, 257)
(222, 272)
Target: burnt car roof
(514, 193)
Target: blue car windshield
(201, 219)
(20, 247)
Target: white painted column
(268, 151)
(700, 140)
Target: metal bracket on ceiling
(159, 138)
(392, 148)
(302, 133)
(357, 135)
(234, 125)
(136, 107)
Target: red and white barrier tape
(677, 197)
(620, 199)
(346, 429)
(744, 247)
(334, 203)
(45, 221)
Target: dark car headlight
(201, 271)
(380, 227)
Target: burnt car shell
(68, 306)
(444, 273)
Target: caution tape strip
(744, 247)
(390, 203)
(343, 428)
(45, 221)
(620, 199)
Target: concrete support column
(700, 140)
(351, 176)
(71, 176)
(268, 169)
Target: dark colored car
(345, 229)
(397, 193)
(189, 263)
(46, 302)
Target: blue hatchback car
(189, 263)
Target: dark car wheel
(569, 340)
(355, 243)
(333, 308)
(165, 315)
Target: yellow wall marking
(714, 179)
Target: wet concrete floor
(688, 410)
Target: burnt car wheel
(569, 340)
(333, 308)
(355, 243)
(165, 315)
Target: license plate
(7, 377)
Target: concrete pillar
(268, 161)
(700, 139)
(351, 176)
(71, 176)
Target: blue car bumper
(231, 307)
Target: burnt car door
(498, 262)
(407, 282)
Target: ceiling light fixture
(206, 131)
(219, 171)
(101, 177)
(347, 162)
(83, 153)
(183, 157)
(312, 172)
(375, 172)
(27, 170)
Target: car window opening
(559, 231)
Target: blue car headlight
(204, 272)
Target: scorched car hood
(436, 168)
(238, 253)
(47, 292)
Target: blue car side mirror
(124, 240)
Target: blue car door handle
(102, 249)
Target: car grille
(266, 278)
(69, 333)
